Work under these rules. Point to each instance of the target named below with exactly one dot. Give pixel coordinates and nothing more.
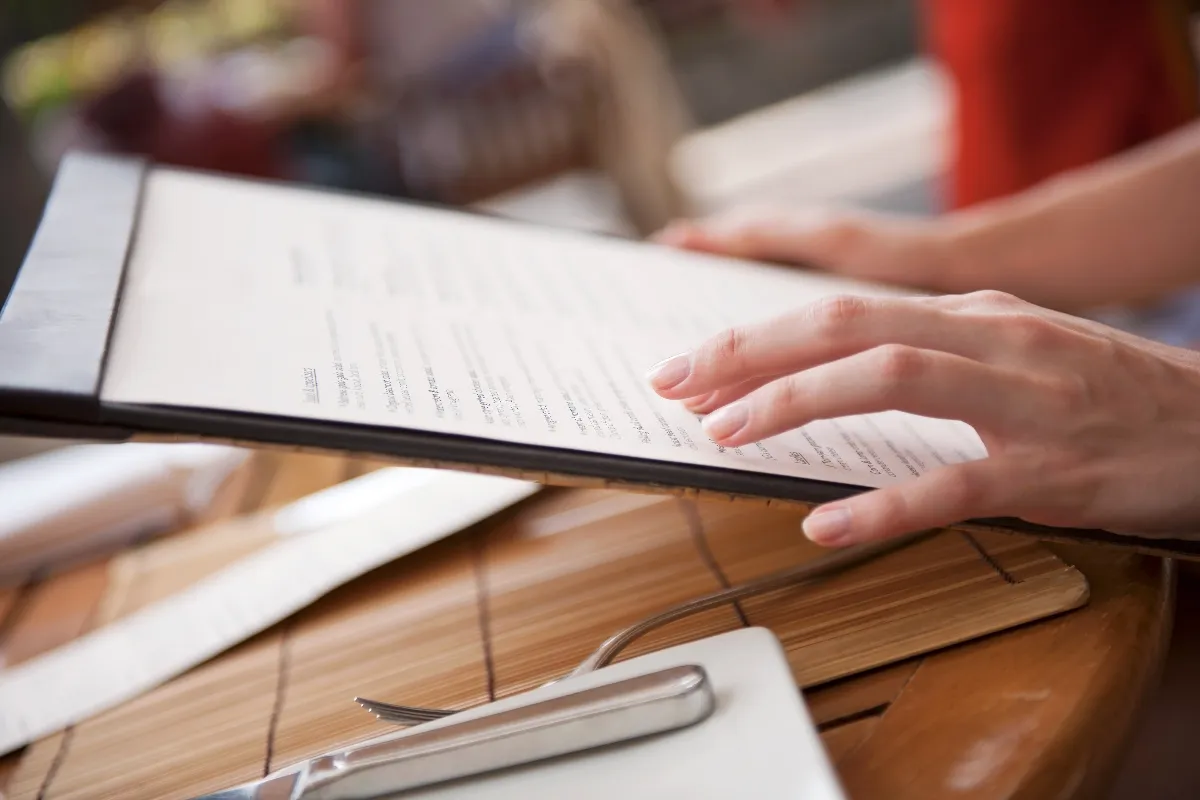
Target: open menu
(268, 300)
(158, 303)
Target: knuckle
(892, 507)
(1108, 349)
(992, 298)
(845, 232)
(897, 364)
(1031, 332)
(781, 400)
(963, 489)
(729, 348)
(837, 313)
(1071, 395)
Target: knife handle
(661, 701)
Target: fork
(824, 567)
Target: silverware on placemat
(824, 567)
(633, 708)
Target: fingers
(821, 237)
(944, 497)
(892, 378)
(705, 403)
(832, 328)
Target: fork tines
(399, 715)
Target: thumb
(941, 498)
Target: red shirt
(1044, 86)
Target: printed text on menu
(270, 300)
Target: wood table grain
(1042, 711)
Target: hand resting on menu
(1085, 426)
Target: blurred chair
(452, 102)
(570, 86)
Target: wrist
(1011, 245)
(960, 254)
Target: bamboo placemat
(504, 607)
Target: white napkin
(76, 502)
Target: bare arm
(1120, 232)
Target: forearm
(1123, 231)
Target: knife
(658, 702)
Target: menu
(267, 299)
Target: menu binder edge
(560, 467)
(56, 323)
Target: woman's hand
(895, 250)
(1084, 426)
(1116, 233)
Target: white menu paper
(275, 300)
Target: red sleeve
(1044, 86)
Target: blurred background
(606, 115)
(596, 103)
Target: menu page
(275, 300)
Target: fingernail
(699, 404)
(670, 373)
(725, 422)
(828, 526)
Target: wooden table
(1038, 712)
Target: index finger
(829, 329)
